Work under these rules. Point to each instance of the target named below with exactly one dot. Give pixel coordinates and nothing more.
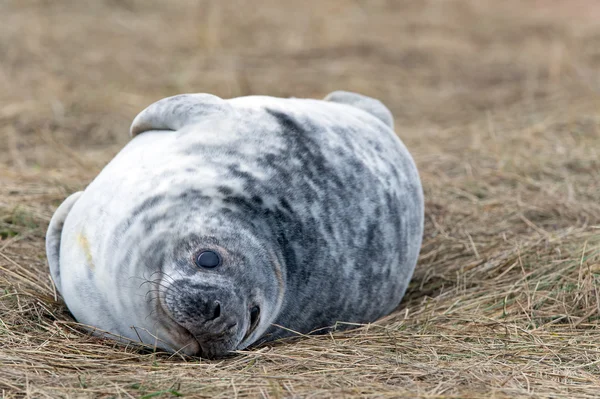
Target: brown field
(499, 102)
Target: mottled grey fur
(315, 206)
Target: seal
(226, 223)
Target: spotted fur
(315, 206)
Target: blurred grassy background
(499, 102)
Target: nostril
(254, 313)
(254, 316)
(216, 312)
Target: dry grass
(498, 101)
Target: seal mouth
(254, 319)
(209, 339)
(191, 346)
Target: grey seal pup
(225, 223)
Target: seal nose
(202, 309)
(215, 312)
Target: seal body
(224, 223)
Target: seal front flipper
(367, 104)
(53, 236)
(176, 112)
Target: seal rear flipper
(53, 236)
(176, 112)
(367, 104)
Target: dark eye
(208, 259)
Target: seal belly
(348, 212)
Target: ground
(499, 102)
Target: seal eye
(208, 259)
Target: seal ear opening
(53, 236)
(368, 104)
(176, 112)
